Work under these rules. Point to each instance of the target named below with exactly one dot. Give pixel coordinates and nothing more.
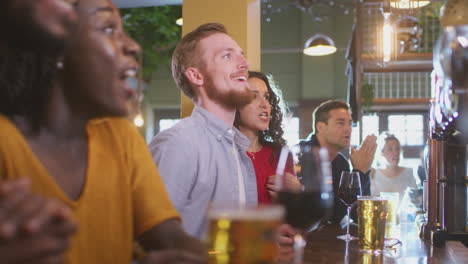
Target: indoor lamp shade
(319, 45)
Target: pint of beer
(372, 214)
(392, 213)
(243, 235)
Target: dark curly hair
(25, 81)
(273, 136)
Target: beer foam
(371, 198)
(248, 213)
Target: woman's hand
(290, 184)
(285, 242)
(33, 229)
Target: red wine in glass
(348, 191)
(348, 195)
(306, 209)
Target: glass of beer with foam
(391, 230)
(372, 216)
(243, 235)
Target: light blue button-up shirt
(196, 161)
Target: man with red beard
(203, 159)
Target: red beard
(233, 99)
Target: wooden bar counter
(323, 247)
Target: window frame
(410, 152)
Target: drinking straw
(281, 166)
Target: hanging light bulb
(387, 39)
(387, 31)
(408, 4)
(138, 120)
(319, 45)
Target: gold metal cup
(243, 236)
(372, 214)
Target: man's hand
(290, 183)
(362, 158)
(32, 229)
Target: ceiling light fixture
(408, 4)
(138, 120)
(319, 45)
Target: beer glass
(243, 235)
(392, 213)
(372, 215)
(348, 191)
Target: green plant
(429, 17)
(367, 94)
(154, 28)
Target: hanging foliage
(367, 94)
(154, 28)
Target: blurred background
(394, 87)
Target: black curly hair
(25, 81)
(273, 136)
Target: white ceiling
(142, 3)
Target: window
(167, 123)
(291, 130)
(370, 125)
(165, 118)
(409, 129)
(355, 136)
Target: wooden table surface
(323, 247)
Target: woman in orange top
(75, 146)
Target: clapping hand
(362, 158)
(33, 229)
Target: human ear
(320, 126)
(194, 76)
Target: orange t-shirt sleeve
(150, 199)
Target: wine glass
(348, 191)
(305, 209)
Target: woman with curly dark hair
(261, 121)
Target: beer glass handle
(299, 244)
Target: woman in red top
(261, 122)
